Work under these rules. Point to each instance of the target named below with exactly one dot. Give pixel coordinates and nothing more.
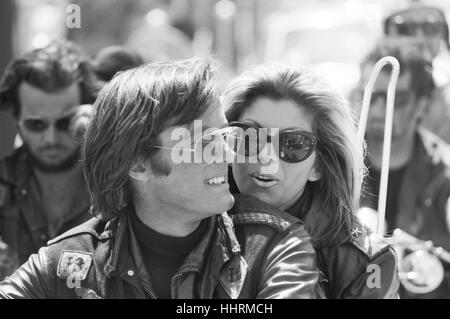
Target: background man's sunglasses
(432, 22)
(39, 125)
(402, 98)
(294, 145)
(411, 28)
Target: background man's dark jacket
(23, 224)
(423, 199)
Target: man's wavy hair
(339, 150)
(129, 114)
(51, 69)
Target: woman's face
(282, 188)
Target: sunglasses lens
(35, 125)
(431, 28)
(378, 95)
(295, 147)
(404, 28)
(63, 124)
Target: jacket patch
(233, 276)
(257, 218)
(74, 264)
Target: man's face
(407, 109)
(43, 126)
(424, 24)
(198, 190)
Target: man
(42, 188)
(161, 229)
(426, 23)
(113, 59)
(419, 176)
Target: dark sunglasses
(402, 98)
(411, 28)
(39, 125)
(432, 24)
(294, 145)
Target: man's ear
(315, 174)
(140, 171)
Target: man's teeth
(216, 180)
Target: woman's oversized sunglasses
(294, 145)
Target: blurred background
(329, 36)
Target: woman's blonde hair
(340, 153)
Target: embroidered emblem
(74, 264)
(233, 276)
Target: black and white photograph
(224, 149)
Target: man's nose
(377, 108)
(50, 135)
(228, 151)
(420, 34)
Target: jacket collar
(21, 176)
(219, 234)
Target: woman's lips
(262, 180)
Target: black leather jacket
(23, 223)
(423, 201)
(253, 251)
(360, 265)
(349, 265)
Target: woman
(319, 171)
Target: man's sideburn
(160, 167)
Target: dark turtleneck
(163, 255)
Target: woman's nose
(269, 159)
(267, 154)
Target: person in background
(161, 228)
(419, 177)
(427, 24)
(318, 161)
(42, 189)
(113, 59)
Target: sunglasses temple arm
(387, 128)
